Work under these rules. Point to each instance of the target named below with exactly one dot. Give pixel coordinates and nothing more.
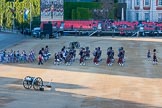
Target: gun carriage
(35, 82)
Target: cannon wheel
(38, 82)
(77, 45)
(70, 45)
(27, 84)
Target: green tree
(7, 7)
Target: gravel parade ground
(135, 85)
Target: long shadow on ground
(21, 98)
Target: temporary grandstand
(106, 27)
(77, 21)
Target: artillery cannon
(35, 82)
(73, 45)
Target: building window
(147, 2)
(160, 2)
(130, 2)
(137, 2)
(160, 17)
(147, 17)
(137, 16)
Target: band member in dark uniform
(110, 56)
(155, 61)
(82, 56)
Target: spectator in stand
(52, 10)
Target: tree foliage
(13, 11)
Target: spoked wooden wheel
(77, 44)
(27, 83)
(38, 83)
(74, 45)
